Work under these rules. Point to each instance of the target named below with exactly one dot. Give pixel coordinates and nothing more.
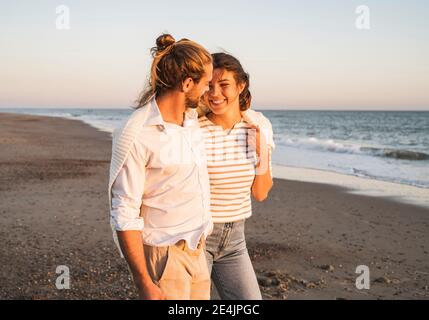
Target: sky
(305, 54)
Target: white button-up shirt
(163, 187)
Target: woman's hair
(173, 62)
(226, 61)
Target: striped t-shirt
(231, 167)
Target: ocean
(389, 146)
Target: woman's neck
(226, 120)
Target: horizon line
(426, 109)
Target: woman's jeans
(229, 263)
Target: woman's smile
(216, 103)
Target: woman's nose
(214, 91)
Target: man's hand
(150, 292)
(132, 247)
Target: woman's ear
(187, 85)
(241, 87)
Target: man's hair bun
(164, 41)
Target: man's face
(192, 98)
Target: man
(159, 185)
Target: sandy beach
(305, 241)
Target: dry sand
(306, 240)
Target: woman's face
(224, 92)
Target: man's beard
(191, 103)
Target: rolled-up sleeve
(128, 190)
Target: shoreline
(305, 240)
(399, 192)
(402, 193)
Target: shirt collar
(154, 117)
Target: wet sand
(305, 241)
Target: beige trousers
(181, 273)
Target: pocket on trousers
(165, 271)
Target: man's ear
(187, 85)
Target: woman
(232, 136)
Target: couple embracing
(184, 168)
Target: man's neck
(172, 107)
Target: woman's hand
(257, 141)
(263, 181)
